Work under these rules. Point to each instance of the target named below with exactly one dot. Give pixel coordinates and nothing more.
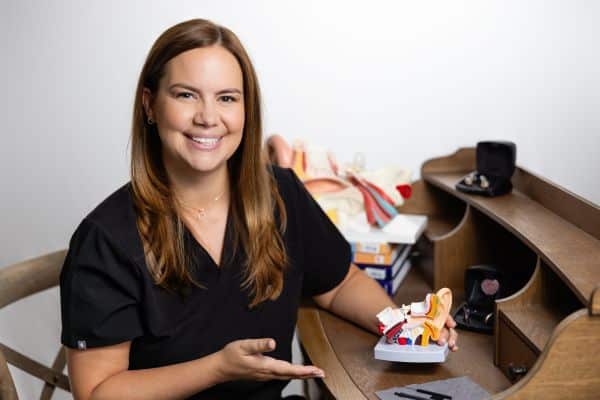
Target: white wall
(399, 81)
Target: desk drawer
(515, 356)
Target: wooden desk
(545, 238)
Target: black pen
(434, 395)
(409, 396)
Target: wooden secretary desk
(546, 242)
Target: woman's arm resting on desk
(101, 373)
(358, 298)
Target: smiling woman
(196, 133)
(186, 282)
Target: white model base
(432, 353)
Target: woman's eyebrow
(232, 90)
(189, 87)
(184, 86)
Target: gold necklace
(201, 212)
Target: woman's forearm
(359, 299)
(175, 381)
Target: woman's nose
(206, 114)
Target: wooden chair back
(18, 281)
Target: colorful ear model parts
(404, 190)
(425, 308)
(417, 323)
(379, 207)
(379, 192)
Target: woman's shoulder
(287, 182)
(115, 218)
(281, 174)
(114, 210)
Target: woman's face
(199, 110)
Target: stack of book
(387, 263)
(384, 254)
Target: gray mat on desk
(461, 388)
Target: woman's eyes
(185, 95)
(228, 99)
(190, 95)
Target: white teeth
(207, 141)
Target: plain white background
(399, 81)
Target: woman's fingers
(268, 377)
(449, 334)
(452, 339)
(254, 346)
(281, 368)
(245, 360)
(452, 336)
(444, 334)
(450, 323)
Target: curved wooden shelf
(444, 211)
(533, 311)
(572, 252)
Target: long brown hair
(254, 201)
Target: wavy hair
(255, 199)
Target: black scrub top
(108, 295)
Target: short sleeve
(99, 291)
(327, 254)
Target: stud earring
(150, 121)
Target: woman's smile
(204, 143)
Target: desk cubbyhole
(444, 211)
(499, 247)
(477, 240)
(446, 215)
(533, 312)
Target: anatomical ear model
(409, 332)
(418, 322)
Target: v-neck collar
(225, 249)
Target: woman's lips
(206, 143)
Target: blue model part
(379, 221)
(388, 208)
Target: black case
(477, 312)
(495, 166)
